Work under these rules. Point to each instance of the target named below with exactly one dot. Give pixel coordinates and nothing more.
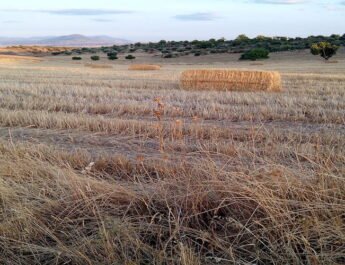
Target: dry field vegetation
(104, 165)
(144, 67)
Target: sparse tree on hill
(242, 38)
(325, 49)
(260, 38)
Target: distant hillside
(33, 50)
(74, 40)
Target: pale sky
(152, 20)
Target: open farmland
(102, 165)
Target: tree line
(250, 48)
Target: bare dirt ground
(58, 116)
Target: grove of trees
(242, 44)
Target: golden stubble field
(102, 165)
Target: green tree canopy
(325, 49)
(255, 54)
(242, 38)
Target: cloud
(206, 16)
(86, 12)
(102, 20)
(280, 2)
(334, 6)
(74, 12)
(11, 21)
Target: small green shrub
(76, 58)
(95, 58)
(130, 57)
(113, 57)
(255, 54)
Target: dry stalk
(158, 113)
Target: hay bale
(144, 67)
(229, 80)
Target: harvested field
(229, 80)
(257, 63)
(112, 166)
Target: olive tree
(325, 49)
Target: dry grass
(144, 67)
(187, 214)
(257, 63)
(331, 61)
(121, 167)
(229, 80)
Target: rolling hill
(75, 40)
